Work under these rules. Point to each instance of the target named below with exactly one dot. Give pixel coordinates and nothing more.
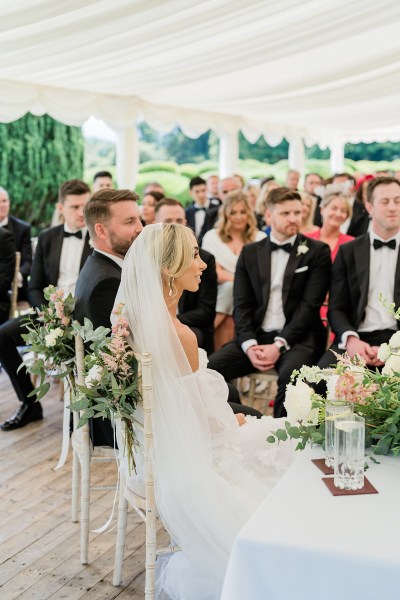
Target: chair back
(14, 286)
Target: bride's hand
(241, 419)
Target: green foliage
(262, 151)
(37, 155)
(157, 165)
(176, 186)
(98, 155)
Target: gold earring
(170, 283)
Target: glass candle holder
(333, 409)
(349, 452)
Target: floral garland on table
(111, 377)
(375, 396)
(51, 338)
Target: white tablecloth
(304, 544)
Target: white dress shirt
(274, 319)
(70, 261)
(382, 269)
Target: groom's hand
(263, 357)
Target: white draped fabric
(322, 71)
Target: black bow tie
(77, 234)
(285, 247)
(378, 244)
(196, 208)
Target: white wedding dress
(210, 474)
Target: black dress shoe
(27, 413)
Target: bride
(212, 468)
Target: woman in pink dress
(335, 210)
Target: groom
(280, 285)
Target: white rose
(302, 249)
(298, 401)
(50, 339)
(94, 374)
(392, 365)
(394, 341)
(384, 351)
(58, 332)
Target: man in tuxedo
(7, 265)
(113, 220)
(226, 185)
(195, 214)
(280, 285)
(102, 180)
(196, 309)
(60, 254)
(22, 237)
(364, 268)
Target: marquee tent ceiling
(325, 70)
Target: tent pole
(228, 154)
(127, 151)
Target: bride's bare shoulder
(189, 344)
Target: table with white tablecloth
(303, 543)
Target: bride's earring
(171, 291)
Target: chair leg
(85, 498)
(252, 391)
(121, 534)
(75, 487)
(151, 543)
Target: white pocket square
(301, 269)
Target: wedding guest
(363, 270)
(102, 180)
(308, 204)
(280, 285)
(21, 231)
(154, 186)
(261, 203)
(149, 202)
(212, 187)
(252, 191)
(226, 185)
(335, 209)
(292, 179)
(196, 212)
(361, 188)
(7, 267)
(235, 228)
(60, 254)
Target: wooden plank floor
(39, 544)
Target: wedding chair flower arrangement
(374, 395)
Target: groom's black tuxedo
(96, 289)
(350, 285)
(305, 283)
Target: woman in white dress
(210, 472)
(236, 227)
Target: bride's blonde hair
(177, 250)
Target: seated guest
(292, 179)
(196, 309)
(361, 188)
(308, 204)
(60, 254)
(335, 209)
(280, 285)
(154, 186)
(261, 203)
(363, 269)
(195, 214)
(212, 188)
(22, 238)
(235, 228)
(102, 181)
(252, 191)
(7, 267)
(226, 185)
(149, 203)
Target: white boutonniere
(302, 248)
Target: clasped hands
(369, 353)
(263, 356)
